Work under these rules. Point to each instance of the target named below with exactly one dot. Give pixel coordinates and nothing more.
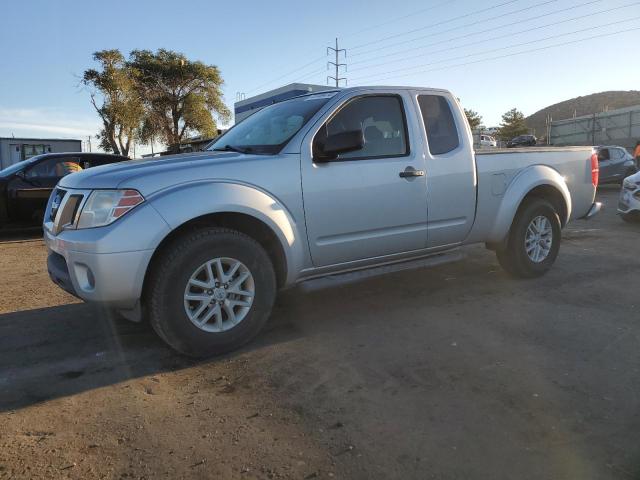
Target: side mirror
(338, 143)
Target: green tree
(513, 124)
(182, 97)
(474, 119)
(115, 97)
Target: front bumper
(114, 279)
(106, 264)
(629, 201)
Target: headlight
(106, 206)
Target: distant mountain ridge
(586, 105)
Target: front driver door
(358, 206)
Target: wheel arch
(243, 223)
(235, 206)
(537, 181)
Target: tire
(171, 280)
(514, 257)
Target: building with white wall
(14, 150)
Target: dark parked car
(522, 141)
(615, 163)
(26, 186)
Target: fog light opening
(84, 276)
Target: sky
(494, 55)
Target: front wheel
(534, 240)
(211, 291)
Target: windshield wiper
(232, 148)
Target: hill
(586, 105)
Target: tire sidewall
(530, 211)
(168, 294)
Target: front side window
(268, 130)
(380, 118)
(56, 167)
(440, 126)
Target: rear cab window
(439, 124)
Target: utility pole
(89, 143)
(337, 64)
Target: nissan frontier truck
(337, 184)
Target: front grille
(69, 210)
(57, 198)
(64, 207)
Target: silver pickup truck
(363, 180)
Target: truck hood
(150, 175)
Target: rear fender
(526, 181)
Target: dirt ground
(456, 372)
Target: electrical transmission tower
(337, 78)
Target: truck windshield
(268, 130)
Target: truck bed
(497, 169)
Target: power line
(547, 47)
(502, 48)
(433, 52)
(351, 35)
(479, 32)
(311, 74)
(409, 15)
(316, 60)
(466, 25)
(443, 22)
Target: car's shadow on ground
(59, 351)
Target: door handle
(411, 172)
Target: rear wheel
(211, 291)
(534, 240)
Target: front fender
(183, 203)
(526, 180)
